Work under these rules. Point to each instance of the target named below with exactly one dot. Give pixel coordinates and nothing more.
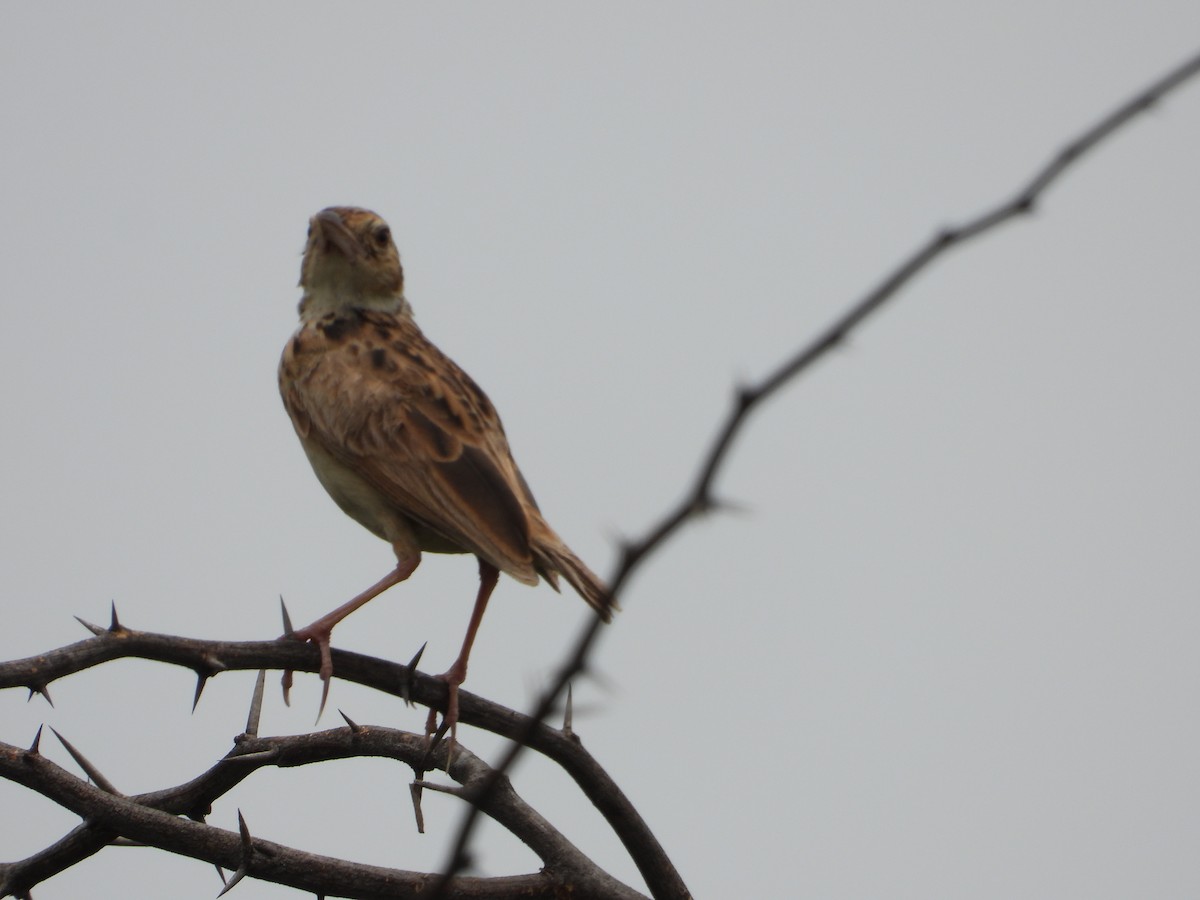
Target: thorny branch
(699, 498)
(155, 819)
(564, 864)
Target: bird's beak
(333, 231)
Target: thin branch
(699, 498)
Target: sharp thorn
(84, 763)
(41, 689)
(234, 879)
(201, 680)
(256, 703)
(254, 756)
(354, 726)
(409, 671)
(247, 852)
(244, 829)
(453, 790)
(125, 842)
(116, 623)
(94, 629)
(220, 873)
(414, 791)
(286, 684)
(728, 506)
(412, 663)
(287, 620)
(568, 712)
(35, 747)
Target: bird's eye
(382, 236)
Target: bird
(403, 440)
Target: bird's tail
(555, 558)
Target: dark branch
(397, 679)
(699, 495)
(153, 819)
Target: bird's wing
(377, 396)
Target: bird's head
(350, 262)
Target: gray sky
(949, 650)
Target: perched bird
(402, 438)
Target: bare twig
(699, 498)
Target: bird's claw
(320, 637)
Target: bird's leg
(320, 631)
(457, 673)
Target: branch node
(630, 552)
(702, 504)
(745, 397)
(947, 236)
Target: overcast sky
(948, 650)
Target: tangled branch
(107, 814)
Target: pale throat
(337, 297)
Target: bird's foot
(318, 634)
(449, 727)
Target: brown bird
(402, 438)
